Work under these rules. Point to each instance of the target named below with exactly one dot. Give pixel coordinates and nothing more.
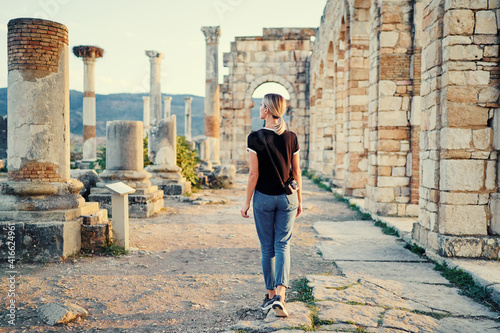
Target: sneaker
(279, 307)
(268, 303)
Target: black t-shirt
(282, 148)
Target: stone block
(391, 160)
(393, 118)
(489, 95)
(491, 51)
(466, 247)
(494, 227)
(94, 237)
(389, 38)
(383, 194)
(389, 103)
(461, 175)
(393, 181)
(461, 94)
(457, 198)
(482, 138)
(468, 52)
(491, 175)
(430, 176)
(465, 115)
(478, 77)
(486, 22)
(455, 138)
(458, 22)
(463, 220)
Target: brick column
(89, 55)
(460, 77)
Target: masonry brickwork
(403, 111)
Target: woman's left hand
(244, 210)
(299, 210)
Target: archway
(258, 95)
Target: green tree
(145, 151)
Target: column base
(46, 236)
(169, 179)
(484, 247)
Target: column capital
(145, 98)
(154, 55)
(212, 34)
(188, 99)
(88, 51)
(167, 98)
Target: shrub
(187, 160)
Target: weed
(415, 249)
(434, 315)
(304, 292)
(114, 250)
(386, 229)
(468, 287)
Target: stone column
(187, 115)
(155, 58)
(89, 55)
(459, 160)
(212, 95)
(39, 189)
(125, 163)
(167, 106)
(145, 113)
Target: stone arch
(271, 78)
(280, 55)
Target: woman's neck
(271, 122)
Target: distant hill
(123, 107)
(129, 107)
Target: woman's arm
(253, 176)
(297, 175)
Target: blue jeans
(274, 217)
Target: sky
(125, 29)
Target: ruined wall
(281, 56)
(413, 115)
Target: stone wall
(403, 111)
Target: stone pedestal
(89, 55)
(163, 154)
(124, 163)
(39, 198)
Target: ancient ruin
(125, 163)
(39, 198)
(89, 54)
(403, 101)
(145, 113)
(167, 106)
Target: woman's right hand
(244, 210)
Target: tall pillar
(167, 106)
(212, 95)
(39, 194)
(89, 55)
(125, 163)
(459, 159)
(155, 58)
(187, 114)
(145, 113)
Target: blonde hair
(276, 105)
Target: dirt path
(197, 269)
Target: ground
(197, 269)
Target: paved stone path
(383, 287)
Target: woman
(274, 210)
